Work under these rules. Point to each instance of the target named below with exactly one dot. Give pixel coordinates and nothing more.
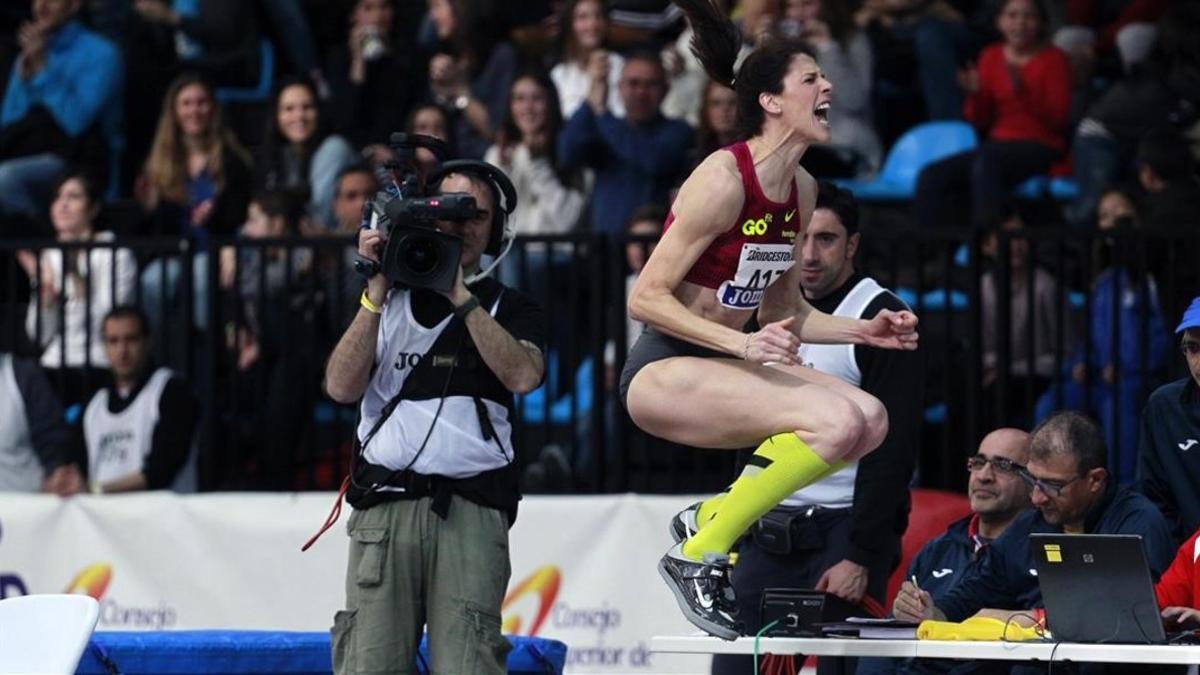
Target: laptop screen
(1097, 588)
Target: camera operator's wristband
(466, 308)
(368, 305)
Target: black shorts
(654, 346)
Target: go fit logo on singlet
(759, 266)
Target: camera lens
(421, 255)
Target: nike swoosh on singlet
(787, 217)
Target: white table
(940, 649)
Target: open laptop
(1097, 588)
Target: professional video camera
(417, 255)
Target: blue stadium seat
(533, 404)
(1061, 188)
(917, 148)
(933, 300)
(261, 91)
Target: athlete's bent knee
(876, 423)
(840, 430)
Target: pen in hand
(917, 589)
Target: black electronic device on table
(1097, 588)
(800, 610)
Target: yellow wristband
(368, 305)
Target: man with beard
(1072, 493)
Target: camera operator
(434, 489)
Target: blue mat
(244, 651)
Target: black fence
(1004, 322)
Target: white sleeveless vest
(837, 491)
(118, 444)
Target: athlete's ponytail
(715, 40)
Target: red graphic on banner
(544, 582)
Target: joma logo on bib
(759, 266)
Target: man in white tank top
(139, 429)
(841, 534)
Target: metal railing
(253, 340)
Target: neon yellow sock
(779, 467)
(709, 507)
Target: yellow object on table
(977, 628)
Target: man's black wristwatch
(466, 308)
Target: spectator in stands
(278, 335)
(138, 430)
(1165, 89)
(35, 441)
(718, 120)
(928, 37)
(638, 157)
(647, 221)
(842, 533)
(998, 496)
(216, 37)
(1034, 319)
(73, 289)
(299, 154)
(196, 183)
(355, 185)
(1019, 98)
(471, 73)
(1169, 472)
(1071, 492)
(61, 106)
(1166, 169)
(582, 57)
(844, 54)
(1121, 369)
(429, 120)
(372, 76)
(526, 150)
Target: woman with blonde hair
(196, 183)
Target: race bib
(759, 266)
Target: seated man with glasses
(1072, 493)
(998, 496)
(1168, 449)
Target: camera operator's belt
(386, 484)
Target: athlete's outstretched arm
(708, 203)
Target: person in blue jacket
(64, 88)
(1126, 347)
(1072, 493)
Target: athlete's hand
(847, 580)
(773, 343)
(892, 330)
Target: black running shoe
(683, 526)
(703, 591)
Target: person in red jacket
(1019, 96)
(1178, 590)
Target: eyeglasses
(999, 464)
(1189, 348)
(1051, 488)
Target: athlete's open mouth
(821, 112)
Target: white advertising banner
(584, 568)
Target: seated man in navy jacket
(1071, 493)
(998, 497)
